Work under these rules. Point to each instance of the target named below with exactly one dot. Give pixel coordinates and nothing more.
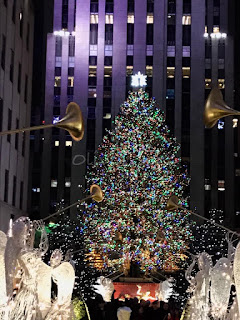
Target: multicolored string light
(138, 169)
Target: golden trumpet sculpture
(95, 193)
(216, 108)
(72, 122)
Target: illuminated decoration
(66, 235)
(221, 282)
(138, 169)
(165, 290)
(63, 33)
(105, 288)
(139, 80)
(236, 271)
(144, 291)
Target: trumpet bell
(216, 108)
(172, 203)
(96, 193)
(73, 121)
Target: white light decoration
(215, 35)
(139, 80)
(221, 281)
(105, 288)
(236, 272)
(165, 290)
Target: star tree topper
(139, 80)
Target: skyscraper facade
(184, 47)
(16, 48)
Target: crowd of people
(132, 309)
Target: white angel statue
(105, 288)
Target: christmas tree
(138, 169)
(66, 235)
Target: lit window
(221, 83)
(53, 183)
(186, 72)
(107, 116)
(220, 124)
(130, 18)
(186, 20)
(94, 18)
(207, 187)
(149, 18)
(129, 70)
(208, 83)
(70, 81)
(57, 82)
(235, 123)
(206, 31)
(107, 71)
(67, 183)
(92, 92)
(170, 72)
(149, 71)
(92, 71)
(56, 143)
(109, 18)
(68, 143)
(221, 185)
(215, 29)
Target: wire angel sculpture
(165, 290)
(105, 288)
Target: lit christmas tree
(66, 235)
(138, 169)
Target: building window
(21, 195)
(186, 62)
(150, 6)
(5, 2)
(91, 113)
(130, 18)
(216, 30)
(68, 143)
(109, 6)
(19, 77)
(17, 134)
(6, 185)
(70, 81)
(3, 53)
(149, 18)
(93, 33)
(149, 34)
(186, 37)
(14, 190)
(186, 20)
(109, 34)
(58, 71)
(28, 36)
(9, 124)
(130, 33)
(186, 72)
(186, 6)
(171, 35)
(11, 66)
(64, 14)
(14, 11)
(71, 71)
(58, 47)
(71, 52)
(109, 18)
(94, 18)
(57, 82)
(92, 92)
(170, 72)
(26, 89)
(221, 83)
(107, 61)
(171, 6)
(93, 60)
(94, 6)
(130, 5)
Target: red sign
(145, 291)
